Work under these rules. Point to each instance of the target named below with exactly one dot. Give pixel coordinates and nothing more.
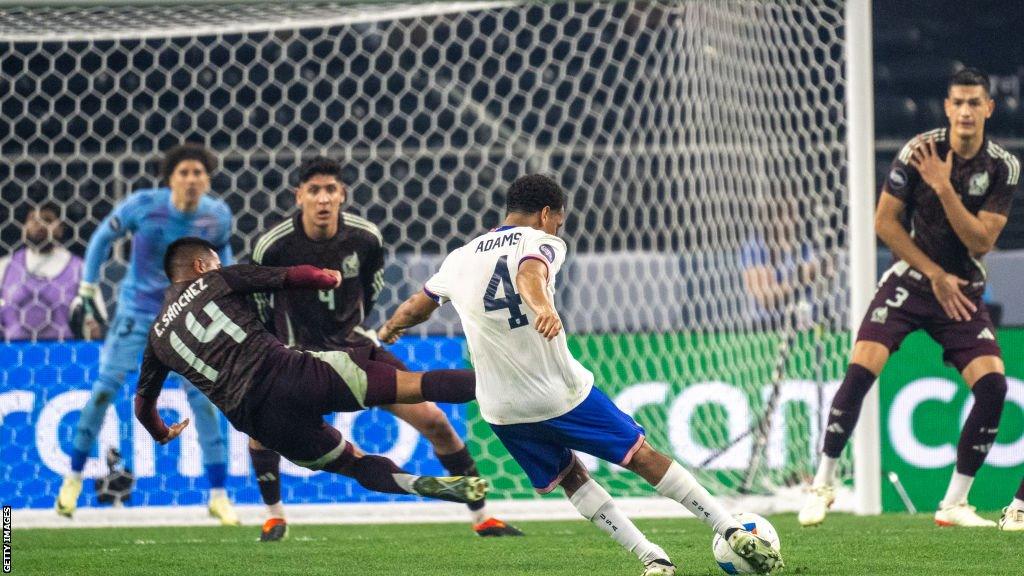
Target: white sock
(1017, 504)
(276, 510)
(826, 475)
(679, 485)
(218, 493)
(959, 486)
(596, 505)
(479, 515)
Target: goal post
(717, 157)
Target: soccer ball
(731, 562)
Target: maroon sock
(982, 423)
(1020, 491)
(267, 465)
(845, 411)
(371, 471)
(450, 386)
(461, 464)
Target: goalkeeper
(154, 218)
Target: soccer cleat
(274, 530)
(659, 567)
(220, 508)
(461, 489)
(495, 527)
(757, 551)
(1012, 520)
(961, 515)
(67, 498)
(818, 502)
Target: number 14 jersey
(520, 376)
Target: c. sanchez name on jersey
(520, 376)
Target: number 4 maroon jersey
(326, 319)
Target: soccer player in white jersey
(540, 401)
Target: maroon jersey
(208, 331)
(323, 320)
(985, 182)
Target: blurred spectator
(39, 280)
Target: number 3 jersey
(520, 376)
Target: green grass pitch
(889, 544)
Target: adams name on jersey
(520, 376)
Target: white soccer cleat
(816, 507)
(659, 568)
(220, 508)
(1012, 520)
(67, 498)
(961, 514)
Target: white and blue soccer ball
(730, 561)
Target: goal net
(701, 143)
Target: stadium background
(56, 148)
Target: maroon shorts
(299, 389)
(900, 307)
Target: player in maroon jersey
(957, 186)
(208, 331)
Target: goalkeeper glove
(87, 305)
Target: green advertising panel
(924, 404)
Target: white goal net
(702, 145)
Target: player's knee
(991, 388)
(254, 444)
(105, 389)
(870, 355)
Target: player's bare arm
(530, 281)
(947, 287)
(978, 233)
(415, 310)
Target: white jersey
(520, 376)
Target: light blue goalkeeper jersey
(154, 222)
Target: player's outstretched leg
(976, 438)
(673, 481)
(595, 504)
(213, 444)
(267, 465)
(1012, 519)
(453, 454)
(380, 474)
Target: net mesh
(702, 145)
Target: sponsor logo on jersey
(548, 252)
(350, 266)
(898, 178)
(978, 185)
(880, 315)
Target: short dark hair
(530, 194)
(969, 77)
(47, 207)
(182, 252)
(319, 166)
(187, 151)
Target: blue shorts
(596, 427)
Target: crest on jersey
(978, 185)
(898, 178)
(350, 266)
(880, 315)
(548, 252)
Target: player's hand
(388, 334)
(934, 170)
(946, 288)
(87, 318)
(174, 431)
(336, 274)
(548, 324)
